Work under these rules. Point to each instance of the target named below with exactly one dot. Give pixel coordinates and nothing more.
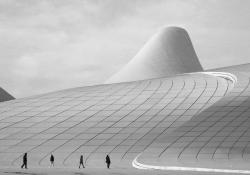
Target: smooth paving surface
(96, 171)
(122, 120)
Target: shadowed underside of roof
(5, 96)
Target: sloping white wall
(168, 52)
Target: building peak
(167, 53)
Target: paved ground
(97, 171)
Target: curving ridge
(168, 52)
(215, 140)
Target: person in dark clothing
(24, 161)
(108, 162)
(81, 162)
(52, 159)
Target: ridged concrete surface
(119, 119)
(218, 137)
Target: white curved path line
(225, 75)
(138, 165)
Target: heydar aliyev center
(161, 111)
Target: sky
(49, 45)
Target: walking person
(24, 161)
(108, 161)
(52, 159)
(81, 162)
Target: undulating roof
(166, 112)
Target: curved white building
(166, 113)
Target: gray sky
(47, 45)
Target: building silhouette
(161, 109)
